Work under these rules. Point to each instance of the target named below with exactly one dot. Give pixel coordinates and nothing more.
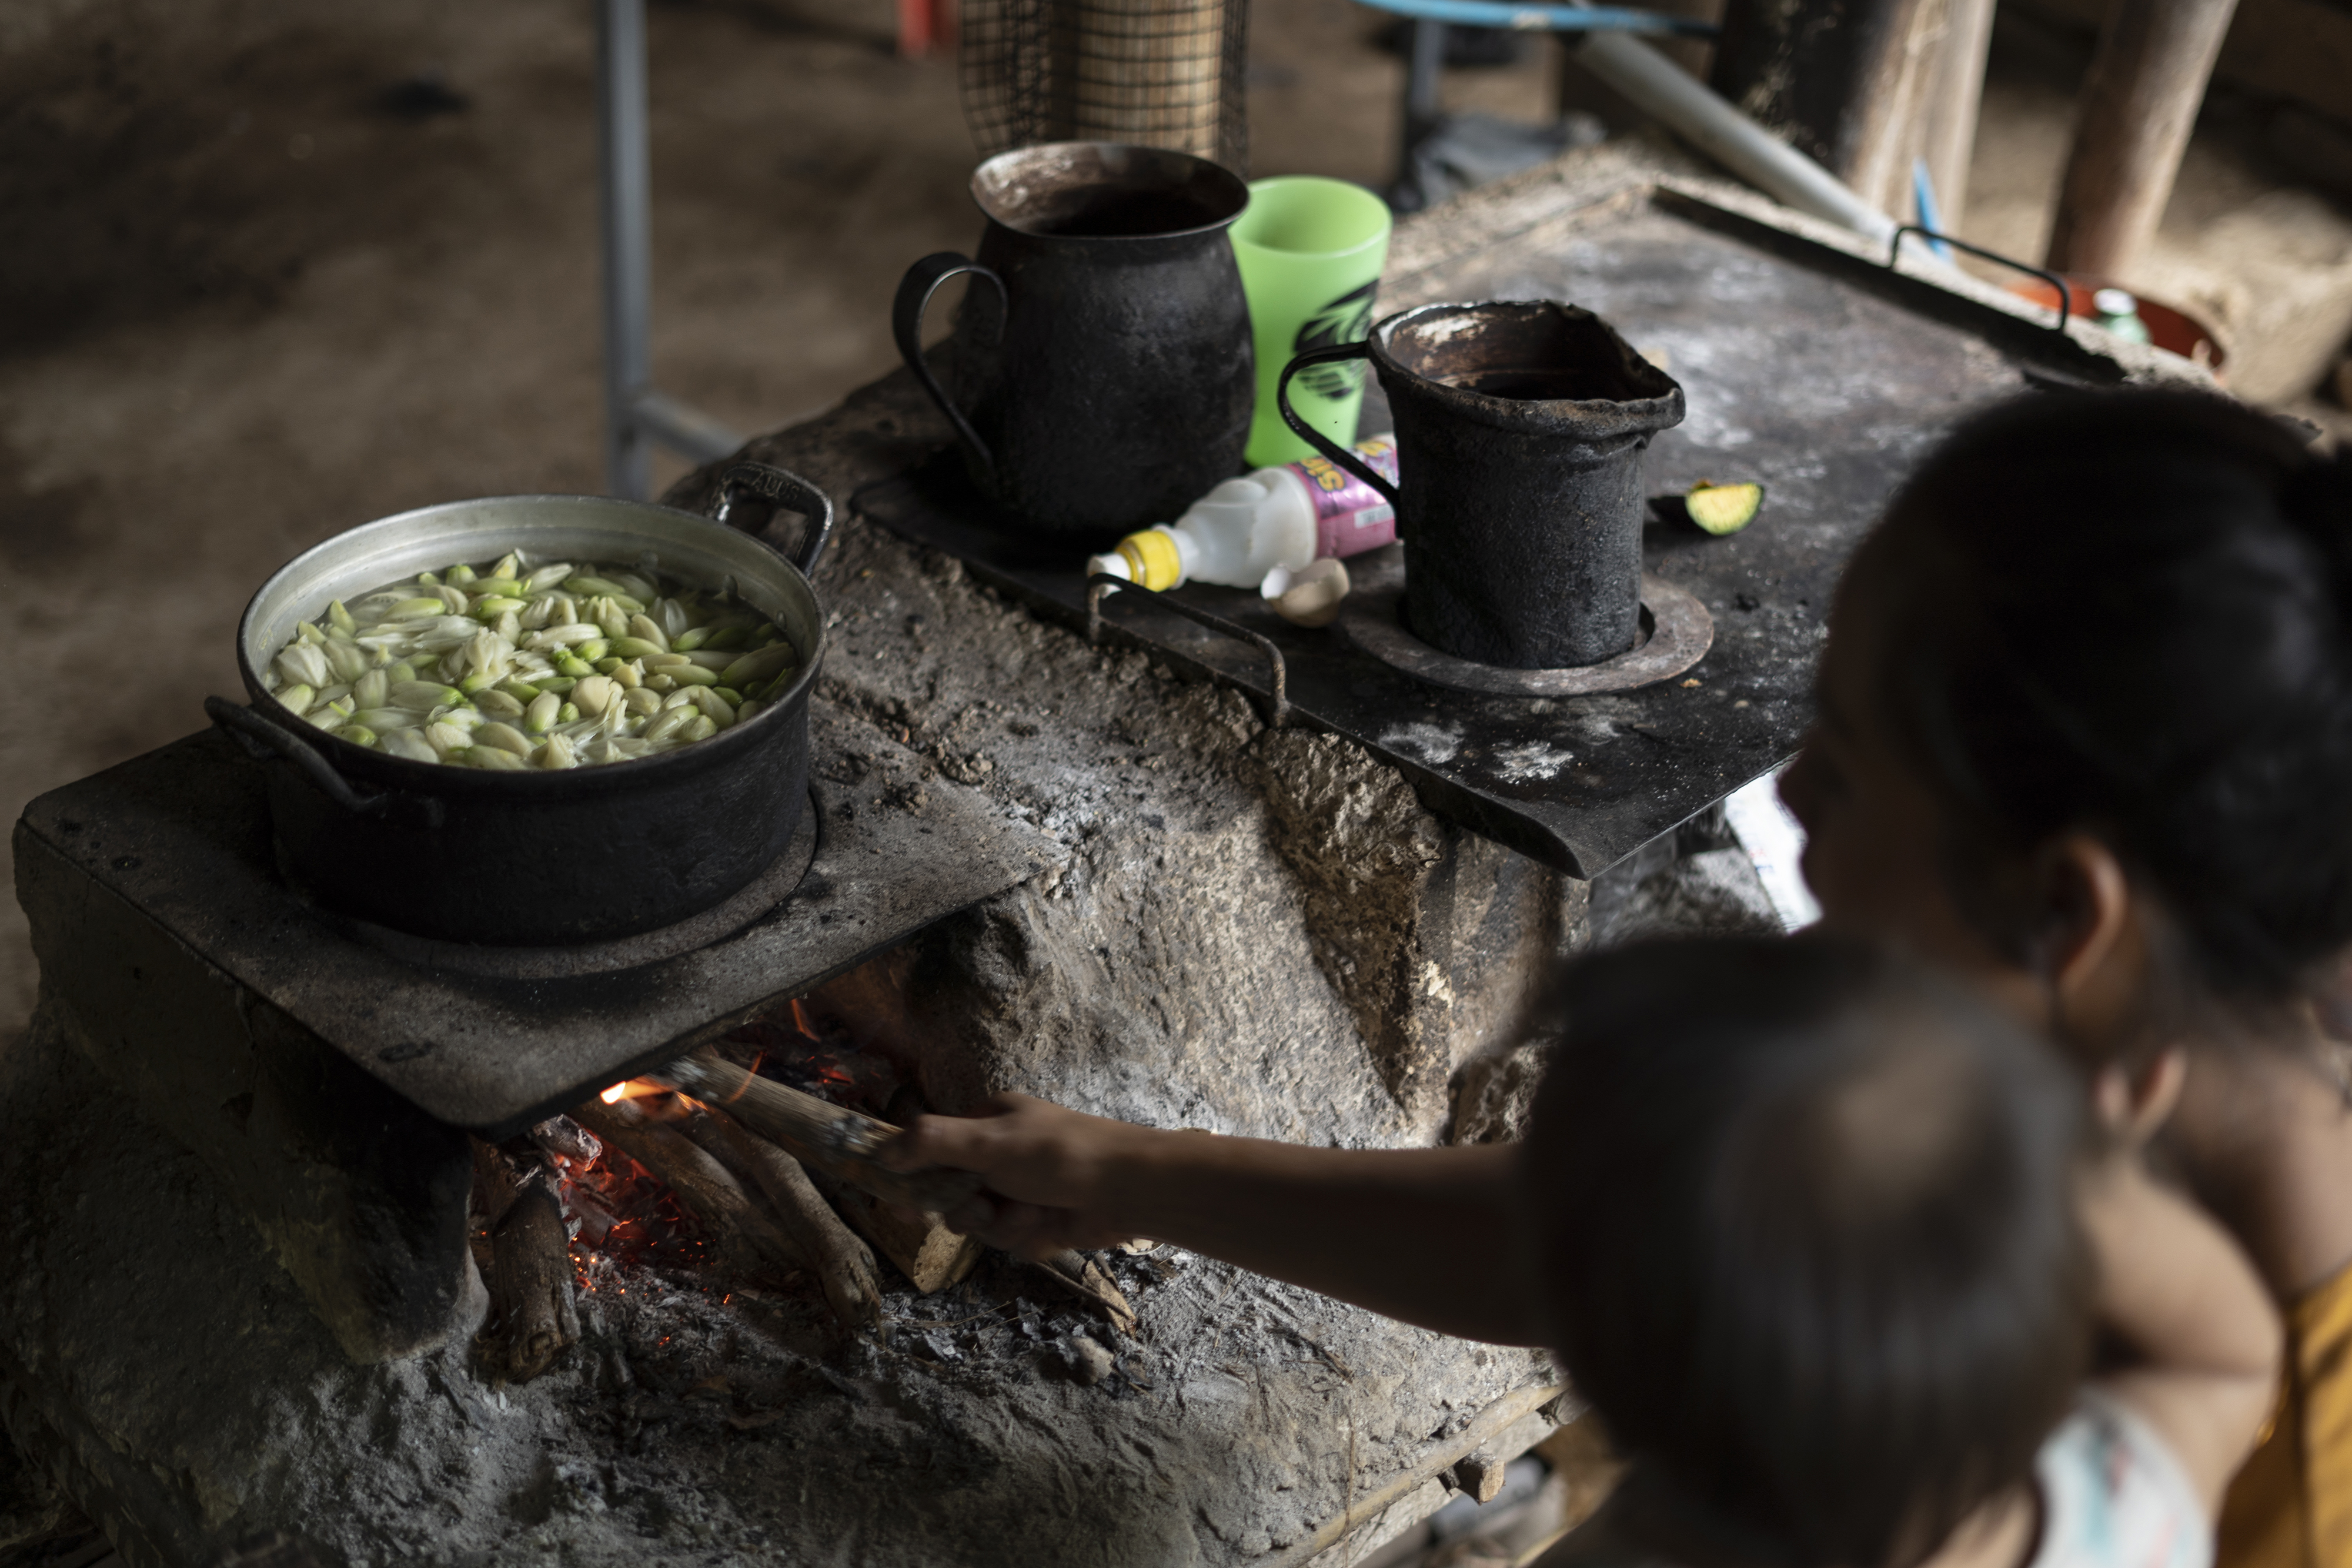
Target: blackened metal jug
(1519, 429)
(1106, 367)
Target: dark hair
(1803, 1224)
(2131, 612)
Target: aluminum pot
(540, 859)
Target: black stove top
(1816, 371)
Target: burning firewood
(563, 1135)
(745, 1240)
(932, 1256)
(839, 1142)
(530, 1286)
(843, 1264)
(839, 1145)
(842, 1144)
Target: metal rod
(1894, 251)
(688, 431)
(1422, 63)
(1656, 86)
(627, 194)
(1102, 582)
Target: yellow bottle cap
(1151, 558)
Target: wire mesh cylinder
(1161, 73)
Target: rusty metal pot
(540, 859)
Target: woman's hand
(1424, 1235)
(1056, 1177)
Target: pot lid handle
(778, 486)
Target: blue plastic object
(1931, 216)
(1546, 18)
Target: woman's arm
(2177, 1289)
(1421, 1235)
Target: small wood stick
(843, 1264)
(530, 1286)
(839, 1142)
(1082, 1277)
(745, 1238)
(494, 1183)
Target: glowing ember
(617, 1208)
(619, 1215)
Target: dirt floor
(299, 265)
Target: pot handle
(1316, 438)
(914, 291)
(778, 486)
(263, 737)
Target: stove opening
(644, 1189)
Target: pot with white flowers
(537, 720)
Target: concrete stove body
(329, 1072)
(239, 1295)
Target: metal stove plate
(182, 836)
(1678, 632)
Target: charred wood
(563, 1135)
(495, 1183)
(843, 1264)
(533, 1320)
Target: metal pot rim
(1602, 419)
(367, 765)
(1212, 172)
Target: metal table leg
(1421, 84)
(635, 412)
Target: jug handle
(1316, 438)
(914, 291)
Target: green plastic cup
(1310, 251)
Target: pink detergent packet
(1350, 517)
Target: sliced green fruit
(1724, 508)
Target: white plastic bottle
(1245, 527)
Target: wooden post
(2139, 103)
(1953, 100)
(1843, 80)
